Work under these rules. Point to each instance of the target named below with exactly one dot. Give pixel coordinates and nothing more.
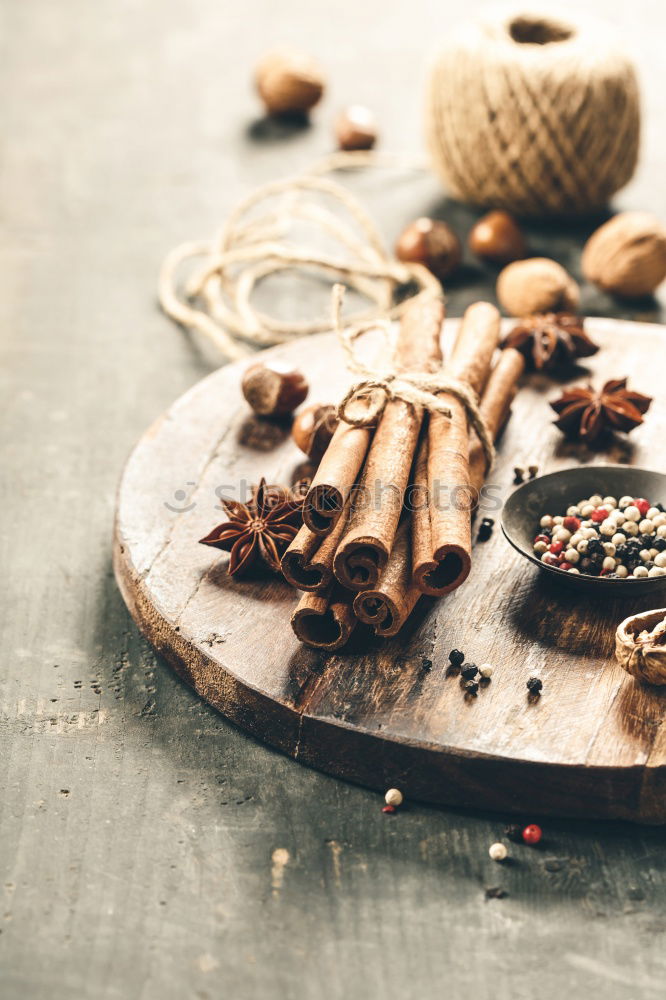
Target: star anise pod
(550, 339)
(586, 413)
(259, 530)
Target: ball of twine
(533, 113)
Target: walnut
(289, 82)
(537, 285)
(627, 255)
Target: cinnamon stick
(495, 408)
(335, 477)
(308, 562)
(389, 605)
(373, 521)
(442, 545)
(326, 620)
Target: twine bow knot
(379, 386)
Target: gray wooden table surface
(139, 830)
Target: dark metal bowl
(553, 493)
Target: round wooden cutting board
(385, 713)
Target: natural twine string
(256, 243)
(535, 113)
(380, 385)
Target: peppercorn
(534, 685)
(518, 474)
(514, 831)
(533, 471)
(471, 687)
(469, 670)
(485, 529)
(456, 657)
(532, 834)
(497, 852)
(394, 797)
(388, 809)
(426, 663)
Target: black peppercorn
(469, 670)
(456, 657)
(426, 663)
(661, 507)
(534, 685)
(485, 531)
(659, 544)
(595, 547)
(471, 687)
(514, 832)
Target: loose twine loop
(381, 385)
(216, 300)
(257, 241)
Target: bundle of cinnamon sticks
(388, 516)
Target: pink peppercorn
(556, 548)
(643, 506)
(598, 515)
(571, 523)
(532, 834)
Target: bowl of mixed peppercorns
(593, 526)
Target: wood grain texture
(591, 746)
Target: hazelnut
(313, 429)
(627, 255)
(498, 237)
(537, 285)
(274, 389)
(355, 128)
(289, 82)
(432, 243)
